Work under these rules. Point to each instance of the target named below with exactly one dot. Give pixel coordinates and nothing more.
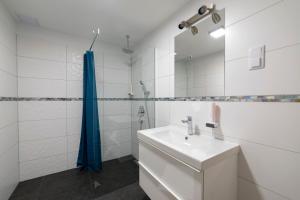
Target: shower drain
(96, 184)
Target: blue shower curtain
(89, 156)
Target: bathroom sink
(197, 151)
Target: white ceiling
(116, 18)
(187, 44)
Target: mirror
(199, 60)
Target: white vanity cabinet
(168, 171)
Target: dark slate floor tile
(24, 197)
(119, 174)
(56, 196)
(70, 182)
(132, 192)
(30, 189)
(114, 176)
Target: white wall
(268, 133)
(9, 153)
(50, 64)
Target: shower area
(49, 102)
(143, 87)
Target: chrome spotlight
(216, 18)
(194, 30)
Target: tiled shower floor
(117, 181)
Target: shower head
(146, 92)
(216, 18)
(127, 50)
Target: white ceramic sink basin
(198, 151)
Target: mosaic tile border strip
(267, 98)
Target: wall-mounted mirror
(199, 60)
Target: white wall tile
(116, 137)
(37, 68)
(163, 66)
(116, 151)
(75, 89)
(35, 47)
(8, 61)
(29, 87)
(164, 87)
(101, 108)
(116, 76)
(37, 149)
(274, 125)
(75, 53)
(163, 111)
(237, 10)
(99, 71)
(72, 160)
(250, 191)
(74, 125)
(41, 167)
(9, 153)
(100, 89)
(162, 48)
(7, 33)
(10, 113)
(117, 107)
(37, 110)
(41, 129)
(9, 172)
(148, 73)
(172, 86)
(73, 143)
(116, 90)
(137, 72)
(113, 122)
(261, 26)
(8, 84)
(265, 169)
(280, 75)
(148, 56)
(117, 61)
(74, 109)
(8, 138)
(75, 72)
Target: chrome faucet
(189, 122)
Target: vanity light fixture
(217, 33)
(203, 12)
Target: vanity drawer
(153, 188)
(168, 171)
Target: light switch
(256, 58)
